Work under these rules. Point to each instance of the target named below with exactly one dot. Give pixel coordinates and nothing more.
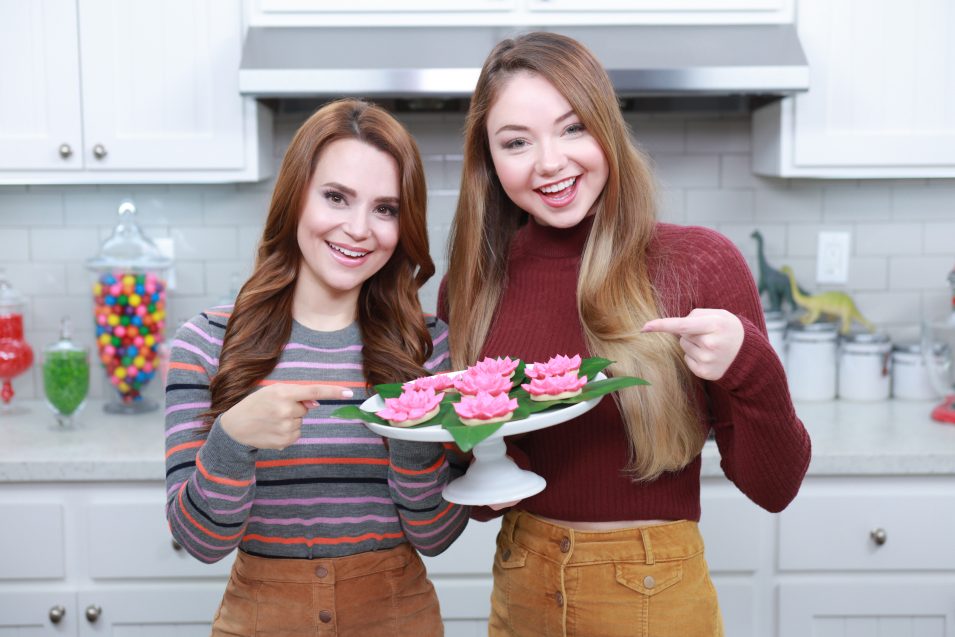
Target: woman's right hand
(271, 417)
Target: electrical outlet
(832, 260)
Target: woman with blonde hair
(556, 249)
(328, 520)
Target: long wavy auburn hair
(615, 294)
(395, 339)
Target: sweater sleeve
(764, 447)
(210, 478)
(418, 472)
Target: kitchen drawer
(31, 540)
(842, 531)
(132, 540)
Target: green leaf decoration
(519, 375)
(590, 366)
(353, 412)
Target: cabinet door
(39, 86)
(183, 611)
(840, 609)
(883, 83)
(37, 614)
(160, 84)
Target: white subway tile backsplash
(855, 201)
(718, 136)
(921, 273)
(902, 230)
(14, 243)
(710, 206)
(63, 244)
(799, 203)
(687, 171)
(30, 209)
(888, 239)
(939, 238)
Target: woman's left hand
(710, 339)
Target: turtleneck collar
(553, 243)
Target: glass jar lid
(128, 247)
(65, 342)
(775, 320)
(11, 301)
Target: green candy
(66, 379)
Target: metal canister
(864, 366)
(776, 331)
(811, 360)
(910, 374)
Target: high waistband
(648, 544)
(323, 570)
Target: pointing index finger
(682, 326)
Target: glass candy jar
(66, 375)
(129, 307)
(16, 355)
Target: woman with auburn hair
(555, 249)
(328, 520)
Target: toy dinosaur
(831, 303)
(771, 281)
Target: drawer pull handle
(65, 151)
(176, 546)
(56, 614)
(879, 536)
(92, 613)
(99, 151)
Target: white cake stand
(493, 478)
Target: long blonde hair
(615, 295)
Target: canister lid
(775, 320)
(128, 248)
(866, 338)
(820, 331)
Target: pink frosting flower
(438, 383)
(500, 366)
(474, 381)
(556, 366)
(410, 405)
(568, 383)
(485, 406)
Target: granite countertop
(885, 438)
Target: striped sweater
(337, 491)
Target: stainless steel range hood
(444, 62)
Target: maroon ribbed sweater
(764, 447)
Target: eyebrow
(351, 192)
(516, 127)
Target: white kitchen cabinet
(42, 613)
(881, 102)
(516, 12)
(127, 92)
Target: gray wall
(903, 231)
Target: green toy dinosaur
(771, 281)
(831, 303)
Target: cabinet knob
(56, 614)
(99, 151)
(879, 536)
(93, 612)
(65, 151)
(176, 546)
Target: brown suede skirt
(375, 594)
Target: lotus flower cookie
(556, 387)
(412, 407)
(556, 366)
(439, 383)
(500, 366)
(474, 381)
(485, 408)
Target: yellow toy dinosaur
(832, 303)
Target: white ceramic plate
(437, 433)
